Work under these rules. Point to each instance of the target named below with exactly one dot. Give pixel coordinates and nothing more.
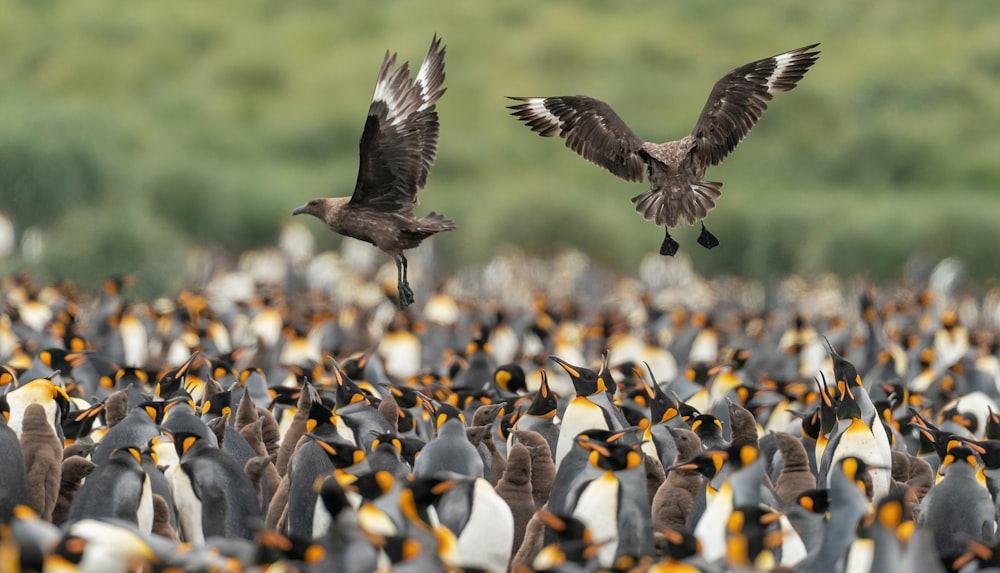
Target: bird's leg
(707, 239)
(403, 285)
(669, 246)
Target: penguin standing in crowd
(13, 482)
(117, 488)
(42, 451)
(591, 408)
(450, 449)
(214, 497)
(615, 505)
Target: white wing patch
(387, 91)
(781, 63)
(538, 111)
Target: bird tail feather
(669, 209)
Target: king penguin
(213, 495)
(592, 407)
(957, 509)
(117, 488)
(482, 523)
(42, 460)
(615, 505)
(13, 483)
(450, 450)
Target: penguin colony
(289, 428)
(281, 432)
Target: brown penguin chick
(82, 449)
(246, 412)
(482, 437)
(269, 431)
(115, 408)
(543, 468)
(487, 414)
(398, 148)
(161, 519)
(42, 450)
(688, 443)
(278, 507)
(515, 488)
(295, 430)
(389, 410)
(674, 500)
(264, 477)
(254, 435)
(796, 476)
(655, 476)
(74, 469)
(919, 476)
(743, 426)
(531, 544)
(218, 427)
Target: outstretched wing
(400, 139)
(590, 128)
(739, 99)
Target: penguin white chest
(488, 536)
(188, 506)
(580, 415)
(144, 515)
(597, 508)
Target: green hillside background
(130, 131)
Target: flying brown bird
(398, 148)
(676, 169)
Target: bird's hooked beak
(299, 210)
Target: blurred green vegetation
(131, 131)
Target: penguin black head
(708, 463)
(347, 390)
(814, 500)
(418, 494)
(544, 403)
(510, 378)
(387, 440)
(700, 372)
(372, 485)
(843, 370)
(677, 543)
(321, 417)
(574, 542)
(129, 455)
(342, 453)
(708, 427)
(856, 470)
(751, 536)
(958, 454)
(587, 382)
(273, 546)
(664, 406)
(283, 395)
(446, 413)
(332, 494)
(184, 441)
(78, 424)
(612, 456)
(68, 553)
(219, 405)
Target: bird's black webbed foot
(669, 246)
(405, 295)
(706, 238)
(403, 289)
